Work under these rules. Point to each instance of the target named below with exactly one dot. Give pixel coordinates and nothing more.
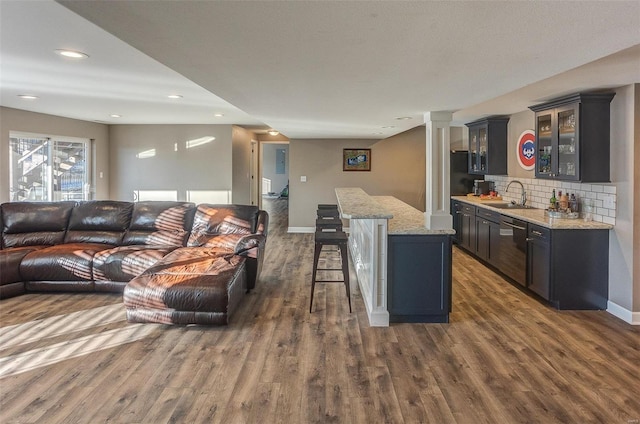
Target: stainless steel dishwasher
(512, 254)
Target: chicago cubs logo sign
(526, 150)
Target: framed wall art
(356, 159)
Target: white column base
(438, 221)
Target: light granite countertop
(355, 203)
(537, 216)
(406, 219)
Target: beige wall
(397, 169)
(205, 167)
(39, 123)
(241, 139)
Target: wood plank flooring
(504, 358)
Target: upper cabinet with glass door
(488, 146)
(572, 138)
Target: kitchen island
(403, 268)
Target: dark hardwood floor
(504, 358)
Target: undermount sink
(510, 206)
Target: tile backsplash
(538, 191)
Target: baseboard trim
(624, 314)
(301, 229)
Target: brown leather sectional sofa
(173, 261)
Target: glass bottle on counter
(553, 200)
(573, 203)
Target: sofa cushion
(125, 262)
(101, 221)
(63, 262)
(34, 223)
(10, 263)
(212, 220)
(160, 223)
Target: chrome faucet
(523, 199)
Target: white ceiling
(313, 69)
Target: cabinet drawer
(469, 209)
(539, 233)
(488, 214)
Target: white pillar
(437, 215)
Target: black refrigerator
(461, 182)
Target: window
(48, 169)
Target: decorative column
(437, 215)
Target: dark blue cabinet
(419, 278)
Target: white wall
(623, 284)
(174, 166)
(278, 181)
(39, 123)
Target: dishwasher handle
(517, 227)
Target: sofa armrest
(262, 223)
(252, 247)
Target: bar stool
(328, 213)
(326, 238)
(324, 224)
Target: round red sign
(526, 150)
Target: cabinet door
(545, 149)
(456, 213)
(483, 148)
(482, 238)
(539, 262)
(494, 243)
(468, 232)
(473, 151)
(567, 142)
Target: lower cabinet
(456, 213)
(468, 228)
(539, 260)
(419, 278)
(569, 268)
(487, 235)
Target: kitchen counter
(355, 203)
(406, 219)
(537, 216)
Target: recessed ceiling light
(273, 132)
(174, 96)
(72, 54)
(404, 118)
(27, 96)
(218, 115)
(389, 126)
(115, 115)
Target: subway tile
(609, 220)
(596, 188)
(612, 213)
(610, 189)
